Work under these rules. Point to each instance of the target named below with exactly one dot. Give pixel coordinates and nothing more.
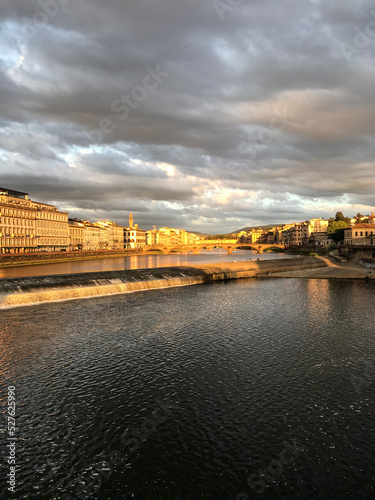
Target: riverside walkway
(342, 270)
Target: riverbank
(332, 270)
(38, 289)
(30, 259)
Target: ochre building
(30, 226)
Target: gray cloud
(264, 116)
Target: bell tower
(131, 220)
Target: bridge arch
(229, 247)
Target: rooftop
(367, 225)
(13, 193)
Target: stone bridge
(228, 245)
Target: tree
(335, 230)
(340, 217)
(358, 218)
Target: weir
(39, 289)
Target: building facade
(17, 222)
(360, 234)
(76, 234)
(114, 234)
(303, 232)
(52, 229)
(134, 237)
(29, 226)
(152, 237)
(252, 237)
(319, 239)
(94, 237)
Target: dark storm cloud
(195, 116)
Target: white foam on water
(10, 301)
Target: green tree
(335, 230)
(358, 218)
(340, 217)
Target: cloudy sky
(200, 114)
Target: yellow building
(170, 237)
(52, 229)
(360, 234)
(254, 236)
(164, 239)
(317, 226)
(76, 234)
(94, 237)
(152, 237)
(114, 234)
(29, 226)
(282, 234)
(134, 237)
(17, 222)
(303, 232)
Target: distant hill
(268, 226)
(232, 235)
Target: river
(258, 388)
(134, 262)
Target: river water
(135, 262)
(258, 388)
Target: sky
(205, 115)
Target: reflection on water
(196, 392)
(318, 299)
(134, 262)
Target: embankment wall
(363, 255)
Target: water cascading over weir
(38, 289)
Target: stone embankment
(39, 289)
(362, 255)
(21, 259)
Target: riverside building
(114, 234)
(302, 232)
(133, 236)
(94, 237)
(17, 222)
(76, 234)
(29, 226)
(52, 229)
(360, 234)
